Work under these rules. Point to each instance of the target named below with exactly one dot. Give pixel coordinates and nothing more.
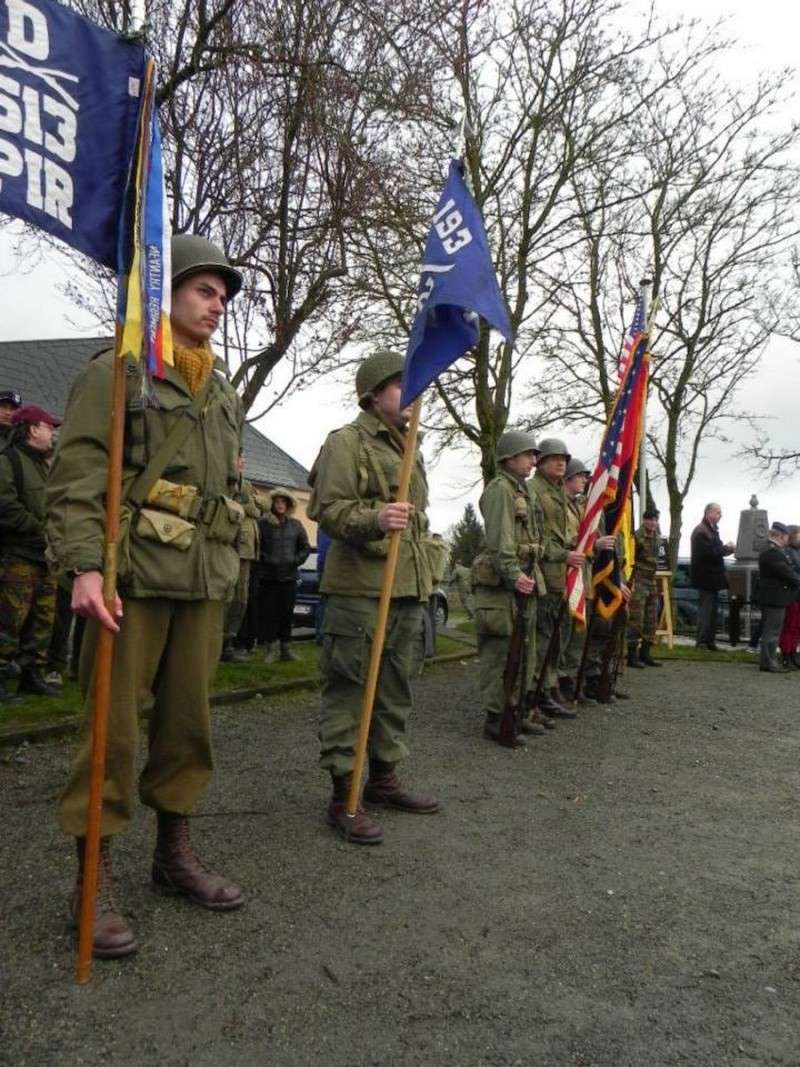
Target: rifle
(613, 654)
(536, 693)
(516, 668)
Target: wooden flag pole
(368, 699)
(102, 673)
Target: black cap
(651, 513)
(779, 527)
(10, 396)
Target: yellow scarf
(194, 366)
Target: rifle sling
(168, 449)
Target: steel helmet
(552, 446)
(192, 254)
(576, 466)
(513, 442)
(375, 370)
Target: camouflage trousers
(344, 658)
(27, 610)
(643, 613)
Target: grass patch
(35, 711)
(466, 627)
(702, 655)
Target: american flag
(613, 476)
(633, 336)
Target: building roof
(43, 372)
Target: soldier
(178, 567)
(576, 478)
(559, 553)
(248, 551)
(509, 566)
(27, 589)
(354, 482)
(643, 617)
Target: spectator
(10, 401)
(27, 589)
(236, 611)
(284, 548)
(707, 574)
(790, 634)
(778, 588)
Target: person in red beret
(27, 589)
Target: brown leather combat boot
(111, 934)
(383, 788)
(491, 731)
(176, 869)
(360, 829)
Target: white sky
(32, 308)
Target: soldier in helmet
(178, 567)
(354, 482)
(508, 567)
(643, 617)
(552, 619)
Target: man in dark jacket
(284, 548)
(707, 573)
(27, 590)
(778, 587)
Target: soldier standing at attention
(508, 567)
(27, 589)
(643, 617)
(559, 536)
(178, 566)
(354, 482)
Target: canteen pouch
(484, 573)
(224, 520)
(164, 528)
(183, 500)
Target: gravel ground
(624, 892)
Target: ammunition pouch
(165, 528)
(182, 500)
(484, 573)
(223, 518)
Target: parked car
(687, 599)
(307, 604)
(307, 607)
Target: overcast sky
(32, 307)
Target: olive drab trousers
(170, 649)
(347, 634)
(494, 621)
(551, 612)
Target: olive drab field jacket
(22, 508)
(513, 522)
(181, 542)
(557, 530)
(356, 473)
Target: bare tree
(546, 89)
(274, 118)
(713, 218)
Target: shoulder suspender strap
(168, 448)
(373, 462)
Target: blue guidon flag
(69, 105)
(457, 283)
